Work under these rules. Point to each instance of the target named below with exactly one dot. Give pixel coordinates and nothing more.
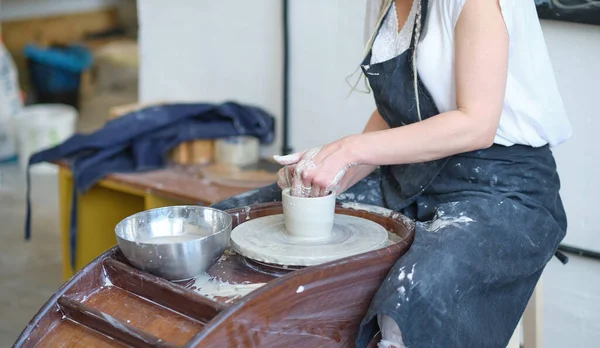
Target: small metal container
(175, 243)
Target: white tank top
(391, 40)
(533, 113)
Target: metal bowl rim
(228, 226)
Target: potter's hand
(317, 172)
(286, 174)
(353, 175)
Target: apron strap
(423, 14)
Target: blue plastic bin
(55, 72)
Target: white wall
(571, 304)
(575, 49)
(213, 51)
(18, 9)
(572, 299)
(327, 44)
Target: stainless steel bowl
(175, 243)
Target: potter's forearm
(354, 175)
(375, 123)
(357, 173)
(444, 135)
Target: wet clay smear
(213, 288)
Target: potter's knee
(436, 276)
(390, 333)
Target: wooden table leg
(532, 320)
(65, 189)
(99, 210)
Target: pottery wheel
(265, 240)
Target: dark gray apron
(487, 223)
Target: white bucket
(41, 127)
(7, 139)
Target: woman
(467, 108)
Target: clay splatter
(402, 274)
(213, 288)
(412, 273)
(346, 196)
(441, 221)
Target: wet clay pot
(308, 218)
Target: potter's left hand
(318, 172)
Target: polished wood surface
(79, 336)
(177, 182)
(156, 320)
(109, 303)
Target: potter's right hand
(293, 175)
(354, 175)
(285, 176)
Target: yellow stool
(532, 323)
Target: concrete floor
(30, 272)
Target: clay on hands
(299, 167)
